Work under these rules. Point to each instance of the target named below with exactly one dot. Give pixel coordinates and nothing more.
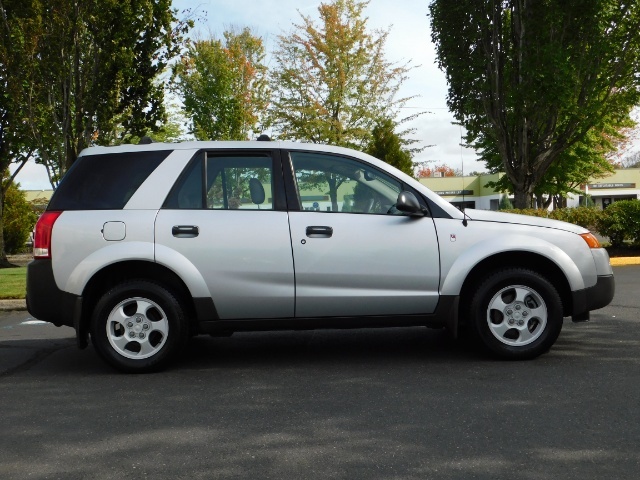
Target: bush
(532, 212)
(620, 221)
(19, 220)
(586, 217)
(505, 203)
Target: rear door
(226, 216)
(355, 254)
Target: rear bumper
(592, 298)
(45, 301)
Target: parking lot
(389, 404)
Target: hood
(500, 217)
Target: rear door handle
(319, 232)
(185, 231)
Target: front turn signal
(591, 240)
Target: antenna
(464, 208)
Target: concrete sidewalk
(12, 305)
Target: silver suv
(143, 246)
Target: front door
(354, 253)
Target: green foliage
(171, 131)
(505, 203)
(19, 219)
(621, 221)
(92, 74)
(386, 145)
(587, 217)
(587, 201)
(331, 82)
(223, 85)
(583, 161)
(17, 46)
(530, 81)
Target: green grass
(13, 282)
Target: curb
(13, 305)
(624, 261)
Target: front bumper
(592, 298)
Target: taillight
(42, 237)
(591, 240)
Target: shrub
(505, 203)
(19, 220)
(532, 212)
(620, 221)
(586, 217)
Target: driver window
(328, 183)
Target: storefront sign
(454, 192)
(596, 186)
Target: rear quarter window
(105, 182)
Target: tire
(138, 326)
(517, 313)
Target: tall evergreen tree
(387, 145)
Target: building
(468, 191)
(38, 198)
(472, 192)
(623, 184)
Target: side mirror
(408, 203)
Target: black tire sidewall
(517, 276)
(177, 330)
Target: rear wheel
(138, 326)
(517, 313)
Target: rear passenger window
(225, 182)
(104, 182)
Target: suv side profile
(144, 246)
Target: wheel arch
(115, 273)
(518, 259)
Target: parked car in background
(143, 246)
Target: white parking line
(33, 322)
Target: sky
(409, 40)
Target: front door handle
(185, 231)
(319, 232)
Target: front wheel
(138, 326)
(517, 313)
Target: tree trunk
(521, 197)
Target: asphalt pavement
(362, 404)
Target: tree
(95, 76)
(534, 78)
(632, 161)
(445, 170)
(575, 166)
(388, 146)
(505, 203)
(223, 85)
(331, 83)
(17, 47)
(19, 218)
